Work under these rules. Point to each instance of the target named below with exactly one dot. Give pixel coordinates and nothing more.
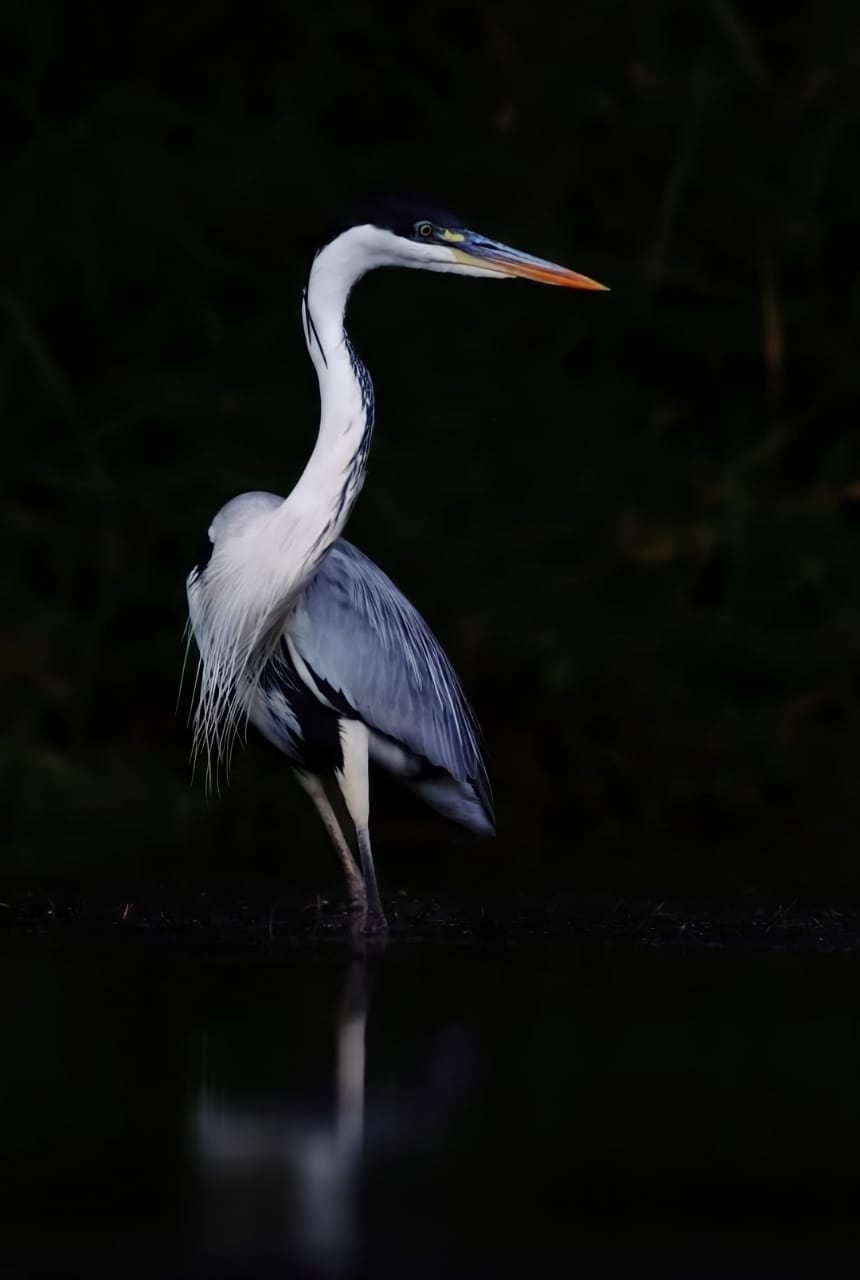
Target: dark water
(440, 1110)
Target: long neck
(288, 546)
(332, 479)
(315, 512)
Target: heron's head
(400, 233)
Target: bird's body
(301, 633)
(340, 660)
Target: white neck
(319, 506)
(313, 516)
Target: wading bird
(302, 634)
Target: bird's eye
(424, 229)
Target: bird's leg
(356, 892)
(375, 915)
(354, 782)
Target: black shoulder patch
(334, 696)
(204, 554)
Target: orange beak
(476, 251)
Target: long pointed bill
(475, 251)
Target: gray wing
(366, 645)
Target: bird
(301, 634)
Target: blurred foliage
(631, 518)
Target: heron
(301, 634)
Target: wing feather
(367, 645)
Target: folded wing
(372, 655)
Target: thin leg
(354, 880)
(354, 782)
(375, 916)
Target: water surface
(439, 1110)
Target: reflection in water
(285, 1180)
(526, 1105)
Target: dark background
(632, 519)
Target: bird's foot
(368, 928)
(363, 944)
(368, 931)
(356, 898)
(376, 926)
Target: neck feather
(321, 502)
(299, 532)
